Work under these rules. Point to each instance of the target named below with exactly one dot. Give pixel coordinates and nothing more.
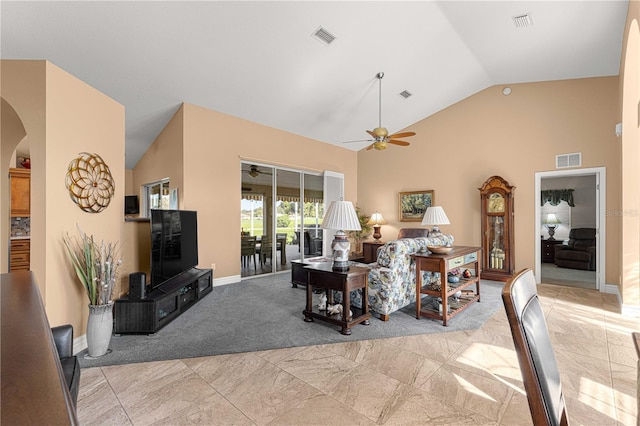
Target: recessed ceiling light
(506, 91)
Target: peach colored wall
(214, 144)
(128, 183)
(513, 136)
(64, 116)
(79, 119)
(163, 159)
(630, 209)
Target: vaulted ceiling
(260, 60)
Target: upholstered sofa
(580, 252)
(392, 279)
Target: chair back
(538, 365)
(266, 244)
(412, 233)
(248, 246)
(582, 238)
(281, 236)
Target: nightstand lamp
(551, 222)
(341, 216)
(435, 216)
(376, 220)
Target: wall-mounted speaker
(137, 286)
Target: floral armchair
(392, 279)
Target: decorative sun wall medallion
(90, 183)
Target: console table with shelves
(163, 304)
(459, 257)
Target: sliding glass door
(281, 213)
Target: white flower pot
(99, 329)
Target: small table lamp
(341, 216)
(435, 216)
(376, 220)
(551, 222)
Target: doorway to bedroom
(570, 222)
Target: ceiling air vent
(569, 160)
(523, 21)
(406, 94)
(324, 36)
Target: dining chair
(248, 251)
(265, 249)
(538, 365)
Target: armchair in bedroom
(580, 252)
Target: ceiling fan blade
(402, 135)
(373, 135)
(359, 140)
(369, 147)
(401, 143)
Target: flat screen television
(174, 243)
(131, 205)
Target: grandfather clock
(496, 196)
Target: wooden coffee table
(321, 275)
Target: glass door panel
(287, 206)
(312, 212)
(256, 219)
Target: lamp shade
(341, 215)
(551, 219)
(435, 216)
(376, 219)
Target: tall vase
(99, 329)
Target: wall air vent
(569, 160)
(523, 21)
(324, 36)
(406, 94)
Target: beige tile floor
(462, 377)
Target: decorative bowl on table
(439, 249)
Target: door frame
(601, 223)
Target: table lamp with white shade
(435, 216)
(376, 220)
(341, 216)
(551, 221)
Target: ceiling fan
(381, 136)
(254, 172)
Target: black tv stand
(163, 304)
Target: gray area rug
(266, 313)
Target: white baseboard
(226, 280)
(625, 310)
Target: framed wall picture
(412, 205)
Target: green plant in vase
(96, 266)
(357, 237)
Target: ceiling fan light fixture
(382, 145)
(380, 132)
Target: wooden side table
(322, 275)
(370, 249)
(548, 248)
(459, 257)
